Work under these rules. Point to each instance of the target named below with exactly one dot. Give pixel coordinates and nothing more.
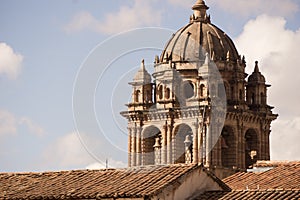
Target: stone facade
(200, 106)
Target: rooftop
(95, 184)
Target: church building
(198, 129)
(199, 105)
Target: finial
(200, 9)
(244, 59)
(256, 69)
(143, 65)
(156, 59)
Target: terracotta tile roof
(271, 163)
(249, 195)
(109, 183)
(284, 176)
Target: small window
(202, 86)
(137, 95)
(167, 93)
(160, 92)
(252, 98)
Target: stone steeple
(171, 120)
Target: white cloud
(128, 17)
(8, 123)
(32, 126)
(186, 3)
(285, 138)
(68, 152)
(246, 7)
(10, 62)
(256, 7)
(277, 48)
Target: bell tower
(257, 90)
(198, 106)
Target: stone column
(195, 143)
(204, 144)
(174, 155)
(142, 149)
(133, 147)
(138, 146)
(268, 143)
(164, 145)
(169, 144)
(200, 143)
(157, 153)
(208, 146)
(129, 147)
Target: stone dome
(185, 44)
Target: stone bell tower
(198, 106)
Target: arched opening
(252, 98)
(251, 148)
(151, 136)
(137, 96)
(202, 86)
(262, 99)
(167, 93)
(181, 133)
(232, 93)
(188, 89)
(148, 98)
(160, 92)
(228, 145)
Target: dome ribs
(179, 36)
(220, 39)
(186, 45)
(210, 44)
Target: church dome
(185, 44)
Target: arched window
(202, 86)
(167, 93)
(251, 148)
(252, 98)
(137, 96)
(181, 133)
(150, 137)
(160, 92)
(232, 92)
(262, 98)
(148, 97)
(228, 145)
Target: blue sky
(43, 46)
